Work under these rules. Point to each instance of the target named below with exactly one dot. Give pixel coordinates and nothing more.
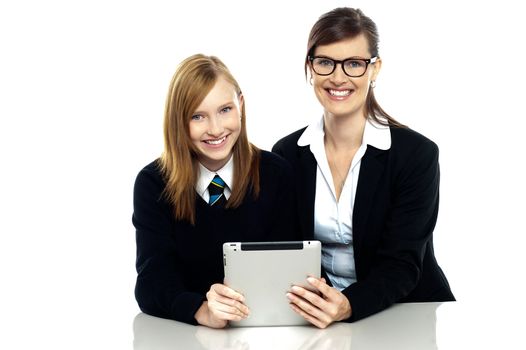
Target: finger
(228, 292)
(225, 315)
(306, 305)
(337, 306)
(225, 304)
(311, 297)
(316, 322)
(232, 304)
(323, 287)
(217, 307)
(319, 278)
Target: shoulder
(273, 163)
(150, 178)
(406, 140)
(412, 153)
(288, 142)
(151, 170)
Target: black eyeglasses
(352, 67)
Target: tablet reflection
(404, 326)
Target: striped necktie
(215, 189)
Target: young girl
(210, 186)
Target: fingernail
(295, 289)
(311, 279)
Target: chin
(342, 112)
(214, 162)
(339, 113)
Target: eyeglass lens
(351, 67)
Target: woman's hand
(322, 308)
(223, 304)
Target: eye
(226, 109)
(197, 117)
(354, 64)
(323, 62)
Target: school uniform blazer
(395, 212)
(178, 262)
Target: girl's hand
(223, 304)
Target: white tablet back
(264, 272)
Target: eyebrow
(226, 104)
(348, 58)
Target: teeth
(215, 142)
(340, 92)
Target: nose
(338, 76)
(215, 126)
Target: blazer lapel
(371, 170)
(306, 190)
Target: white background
(82, 91)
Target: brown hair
(344, 23)
(191, 83)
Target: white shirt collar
(374, 134)
(205, 177)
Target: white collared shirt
(332, 218)
(205, 177)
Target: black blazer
(178, 262)
(395, 212)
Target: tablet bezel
(264, 272)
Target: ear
(310, 74)
(376, 68)
(241, 100)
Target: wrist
(348, 312)
(202, 315)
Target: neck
(343, 132)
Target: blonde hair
(191, 83)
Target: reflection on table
(403, 326)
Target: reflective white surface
(403, 326)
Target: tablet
(264, 272)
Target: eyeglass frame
(367, 61)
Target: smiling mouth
(215, 142)
(339, 93)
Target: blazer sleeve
(159, 290)
(396, 265)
